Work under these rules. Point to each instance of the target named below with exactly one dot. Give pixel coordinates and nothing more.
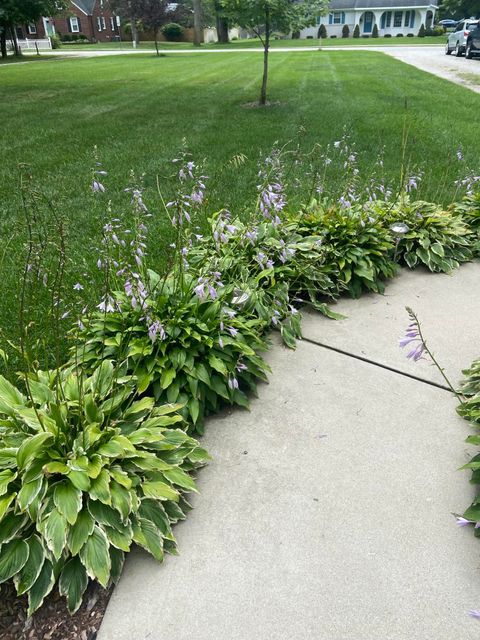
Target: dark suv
(457, 40)
(472, 48)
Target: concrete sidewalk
(327, 510)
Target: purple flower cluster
(191, 193)
(208, 287)
(412, 337)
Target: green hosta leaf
(9, 526)
(159, 490)
(55, 532)
(68, 500)
(167, 378)
(199, 456)
(28, 493)
(121, 500)
(473, 513)
(42, 587)
(152, 510)
(31, 570)
(73, 582)
(117, 558)
(180, 478)
(5, 502)
(146, 534)
(194, 408)
(95, 556)
(8, 458)
(116, 447)
(92, 411)
(165, 409)
(102, 379)
(31, 448)
(100, 487)
(80, 531)
(120, 539)
(438, 249)
(5, 478)
(104, 514)
(56, 467)
(217, 364)
(80, 480)
(121, 477)
(13, 557)
(145, 404)
(10, 397)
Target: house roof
(336, 5)
(84, 5)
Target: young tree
(261, 17)
(154, 14)
(197, 22)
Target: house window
(118, 20)
(407, 19)
(412, 19)
(336, 17)
(32, 29)
(112, 23)
(318, 20)
(74, 25)
(103, 23)
(397, 18)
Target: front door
(367, 22)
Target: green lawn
(255, 42)
(137, 110)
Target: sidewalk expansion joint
(378, 364)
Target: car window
(460, 26)
(471, 25)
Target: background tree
(221, 22)
(19, 12)
(131, 10)
(460, 9)
(154, 14)
(197, 22)
(262, 17)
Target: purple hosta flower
(156, 330)
(463, 522)
(97, 187)
(337, 144)
(293, 311)
(107, 305)
(65, 315)
(269, 264)
(252, 236)
(101, 173)
(241, 367)
(344, 202)
(412, 337)
(232, 331)
(78, 287)
(474, 613)
(275, 318)
(199, 290)
(220, 342)
(232, 382)
(81, 326)
(272, 201)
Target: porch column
(378, 17)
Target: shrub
(345, 31)
(387, 35)
(322, 31)
(375, 31)
(399, 35)
(333, 37)
(67, 37)
(86, 470)
(356, 31)
(410, 35)
(365, 35)
(421, 31)
(55, 40)
(172, 31)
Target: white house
(392, 17)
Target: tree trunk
(222, 24)
(13, 34)
(134, 32)
(155, 33)
(266, 46)
(197, 22)
(3, 42)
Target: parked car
(472, 47)
(457, 40)
(447, 24)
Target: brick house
(92, 19)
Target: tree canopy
(460, 8)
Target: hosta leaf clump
(357, 246)
(436, 238)
(86, 470)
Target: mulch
(52, 621)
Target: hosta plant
(356, 246)
(197, 349)
(86, 470)
(436, 238)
